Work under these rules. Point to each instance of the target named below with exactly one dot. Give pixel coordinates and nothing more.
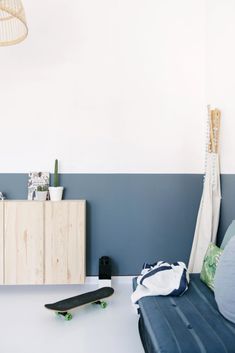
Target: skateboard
(63, 307)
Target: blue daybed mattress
(187, 324)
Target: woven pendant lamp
(13, 26)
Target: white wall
(220, 69)
(107, 86)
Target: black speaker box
(105, 267)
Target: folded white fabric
(162, 278)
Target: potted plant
(56, 191)
(41, 193)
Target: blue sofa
(187, 324)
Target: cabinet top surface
(43, 201)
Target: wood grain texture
(1, 245)
(65, 242)
(23, 231)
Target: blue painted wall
(227, 205)
(136, 217)
(131, 217)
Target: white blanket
(162, 278)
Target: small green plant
(42, 188)
(56, 175)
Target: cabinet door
(65, 242)
(23, 242)
(1, 244)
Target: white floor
(27, 327)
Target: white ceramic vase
(41, 195)
(56, 193)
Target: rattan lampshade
(13, 27)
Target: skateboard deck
(63, 307)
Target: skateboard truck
(102, 303)
(67, 316)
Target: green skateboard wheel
(103, 305)
(68, 317)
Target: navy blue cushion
(187, 324)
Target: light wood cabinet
(64, 242)
(23, 233)
(42, 242)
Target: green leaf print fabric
(210, 262)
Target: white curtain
(209, 210)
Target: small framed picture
(34, 180)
